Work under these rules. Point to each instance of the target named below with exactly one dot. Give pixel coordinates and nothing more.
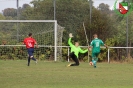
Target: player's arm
(83, 51)
(104, 44)
(69, 40)
(23, 42)
(36, 43)
(90, 47)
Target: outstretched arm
(83, 51)
(69, 40)
(105, 45)
(90, 48)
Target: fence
(47, 52)
(108, 52)
(127, 52)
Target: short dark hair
(30, 34)
(95, 34)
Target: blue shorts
(30, 51)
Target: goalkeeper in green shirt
(75, 50)
(95, 46)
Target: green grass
(16, 74)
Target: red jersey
(29, 42)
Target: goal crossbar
(28, 20)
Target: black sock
(29, 61)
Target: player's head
(30, 34)
(76, 43)
(95, 35)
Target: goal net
(12, 33)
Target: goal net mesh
(13, 33)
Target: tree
(101, 24)
(120, 26)
(10, 12)
(25, 6)
(104, 8)
(69, 13)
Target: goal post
(44, 31)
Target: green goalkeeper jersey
(75, 49)
(96, 43)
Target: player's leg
(94, 59)
(71, 56)
(32, 56)
(97, 56)
(75, 59)
(30, 52)
(28, 60)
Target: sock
(28, 61)
(33, 58)
(94, 63)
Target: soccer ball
(91, 63)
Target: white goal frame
(55, 30)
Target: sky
(12, 3)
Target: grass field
(16, 74)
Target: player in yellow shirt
(75, 50)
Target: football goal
(12, 33)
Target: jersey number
(29, 44)
(97, 44)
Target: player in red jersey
(30, 42)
